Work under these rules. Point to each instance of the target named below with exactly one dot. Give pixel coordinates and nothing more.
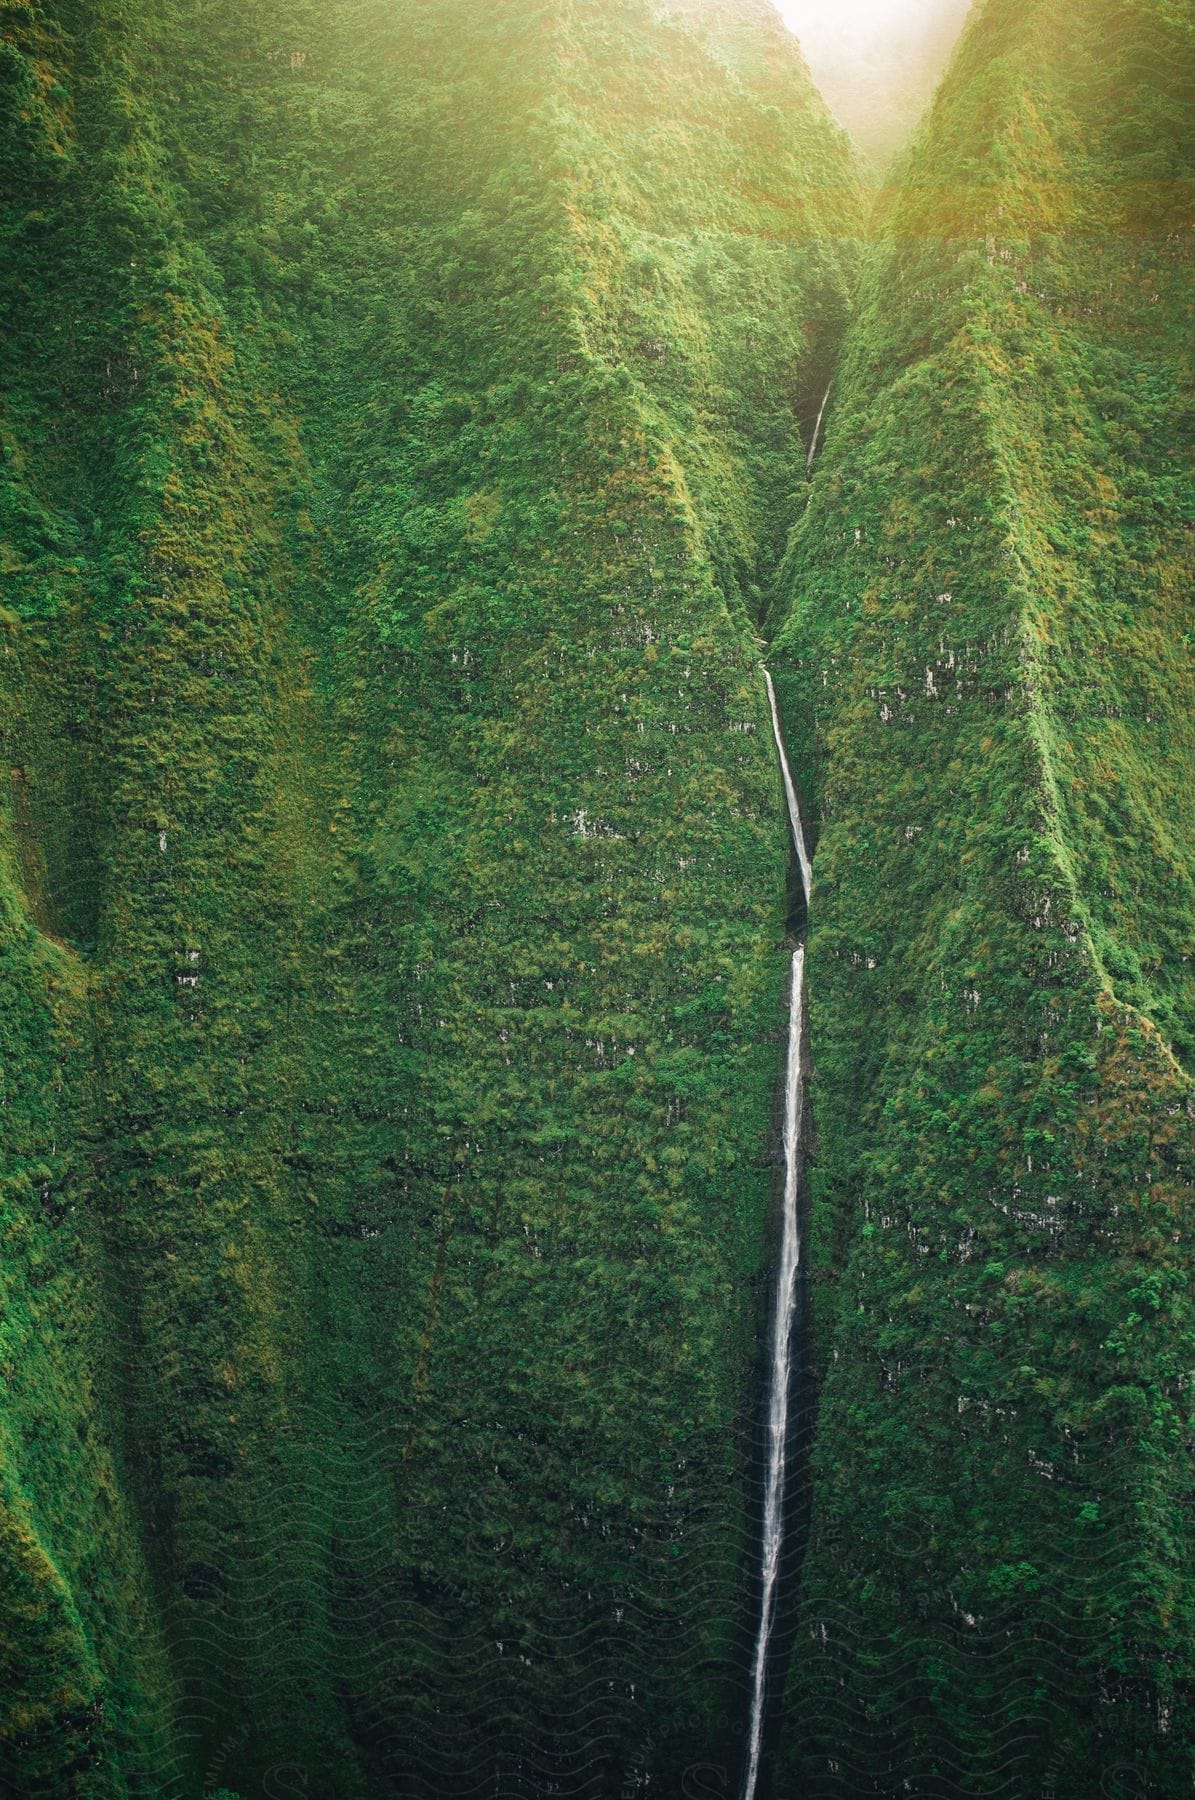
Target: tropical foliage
(405, 413)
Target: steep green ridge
(985, 671)
(401, 415)
(403, 409)
(81, 1661)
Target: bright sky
(876, 61)
(854, 15)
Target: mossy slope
(395, 875)
(985, 670)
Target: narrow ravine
(783, 1318)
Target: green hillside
(986, 672)
(403, 410)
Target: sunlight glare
(876, 61)
(859, 17)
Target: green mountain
(405, 412)
(986, 672)
(403, 409)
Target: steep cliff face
(81, 1658)
(402, 412)
(985, 670)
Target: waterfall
(817, 429)
(790, 794)
(786, 1295)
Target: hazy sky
(876, 61)
(862, 14)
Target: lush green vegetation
(985, 666)
(394, 466)
(404, 410)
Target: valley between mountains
(418, 425)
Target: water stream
(817, 432)
(790, 795)
(786, 1297)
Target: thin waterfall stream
(817, 432)
(790, 795)
(786, 1294)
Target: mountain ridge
(405, 412)
(1003, 1174)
